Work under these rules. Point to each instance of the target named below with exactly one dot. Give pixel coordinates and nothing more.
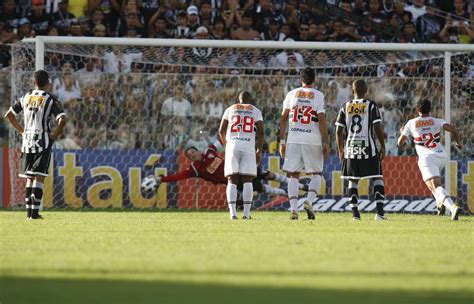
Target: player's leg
(37, 195)
(247, 195)
(293, 165)
(353, 193)
(379, 193)
(231, 194)
(313, 164)
(28, 197)
(442, 195)
(282, 179)
(259, 186)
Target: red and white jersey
(305, 104)
(426, 133)
(240, 134)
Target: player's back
(304, 104)
(358, 116)
(426, 133)
(241, 128)
(37, 106)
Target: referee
(38, 107)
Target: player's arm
(340, 141)
(223, 130)
(180, 175)
(456, 135)
(58, 112)
(260, 139)
(381, 137)
(323, 129)
(403, 138)
(10, 116)
(283, 123)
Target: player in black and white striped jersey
(38, 107)
(358, 123)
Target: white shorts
(240, 162)
(298, 156)
(431, 166)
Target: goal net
(135, 105)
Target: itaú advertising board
(112, 179)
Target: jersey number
(306, 112)
(430, 140)
(241, 124)
(356, 125)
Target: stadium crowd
(130, 97)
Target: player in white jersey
(38, 106)
(426, 133)
(237, 133)
(358, 124)
(307, 142)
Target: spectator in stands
(120, 61)
(202, 55)
(262, 13)
(245, 32)
(66, 69)
(85, 23)
(181, 30)
(401, 13)
(392, 120)
(10, 15)
(38, 17)
(105, 12)
(219, 30)
(291, 14)
(177, 105)
(341, 34)
(359, 7)
(132, 19)
(99, 31)
(24, 29)
(158, 29)
(375, 14)
(89, 74)
(428, 25)
(98, 17)
(456, 32)
(78, 8)
(409, 34)
(67, 89)
(460, 13)
(62, 19)
(366, 33)
(206, 18)
(417, 9)
(193, 19)
(305, 15)
(303, 32)
(75, 29)
(148, 9)
(273, 32)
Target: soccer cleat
(294, 215)
(233, 217)
(305, 188)
(441, 209)
(246, 218)
(39, 217)
(309, 210)
(456, 213)
(356, 218)
(380, 217)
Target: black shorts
(361, 168)
(35, 164)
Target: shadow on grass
(39, 290)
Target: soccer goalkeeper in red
(209, 165)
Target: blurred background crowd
(168, 98)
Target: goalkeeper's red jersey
(210, 168)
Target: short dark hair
(189, 148)
(423, 106)
(307, 75)
(360, 87)
(41, 78)
(246, 97)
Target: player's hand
(457, 145)
(326, 151)
(381, 153)
(282, 150)
(259, 157)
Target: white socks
(293, 189)
(281, 178)
(271, 190)
(231, 193)
(441, 195)
(247, 196)
(313, 188)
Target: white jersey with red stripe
(240, 134)
(304, 103)
(426, 133)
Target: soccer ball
(150, 184)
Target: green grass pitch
(203, 257)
